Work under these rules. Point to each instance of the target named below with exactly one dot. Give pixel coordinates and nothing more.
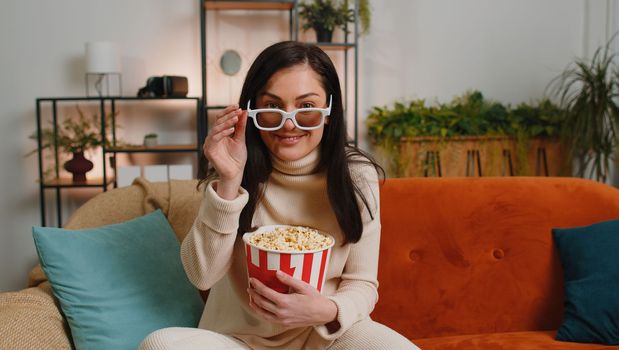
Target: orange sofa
(469, 263)
(466, 263)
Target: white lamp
(103, 62)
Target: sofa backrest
(475, 255)
(179, 200)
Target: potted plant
(326, 15)
(150, 140)
(462, 136)
(588, 91)
(75, 135)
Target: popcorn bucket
(309, 265)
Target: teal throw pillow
(590, 259)
(118, 283)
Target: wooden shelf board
(335, 46)
(216, 107)
(248, 5)
(115, 98)
(68, 182)
(155, 149)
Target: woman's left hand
(303, 306)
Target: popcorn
(297, 251)
(291, 238)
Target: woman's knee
(161, 339)
(367, 334)
(181, 338)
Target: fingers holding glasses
(226, 114)
(224, 127)
(241, 126)
(225, 123)
(226, 111)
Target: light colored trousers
(365, 334)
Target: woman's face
(289, 89)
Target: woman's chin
(288, 157)
(290, 154)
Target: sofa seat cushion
(542, 340)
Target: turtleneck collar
(303, 166)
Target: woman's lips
(289, 140)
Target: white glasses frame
(325, 112)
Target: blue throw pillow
(590, 259)
(118, 283)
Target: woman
(290, 168)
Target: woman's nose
(288, 125)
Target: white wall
(509, 50)
(416, 48)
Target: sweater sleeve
(357, 292)
(206, 251)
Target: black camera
(165, 86)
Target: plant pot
(78, 166)
(480, 156)
(150, 142)
(323, 35)
(456, 156)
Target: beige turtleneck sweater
(214, 257)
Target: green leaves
(588, 91)
(74, 134)
(331, 14)
(466, 115)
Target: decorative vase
(78, 166)
(323, 35)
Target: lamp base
(103, 84)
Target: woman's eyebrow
(307, 95)
(273, 96)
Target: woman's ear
(327, 120)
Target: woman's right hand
(225, 149)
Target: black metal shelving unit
(105, 104)
(292, 7)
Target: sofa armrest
(31, 319)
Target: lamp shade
(102, 57)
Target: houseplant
(75, 135)
(409, 134)
(326, 15)
(588, 91)
(150, 140)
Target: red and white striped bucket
(309, 266)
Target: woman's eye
(271, 105)
(307, 105)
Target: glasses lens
(308, 119)
(269, 119)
